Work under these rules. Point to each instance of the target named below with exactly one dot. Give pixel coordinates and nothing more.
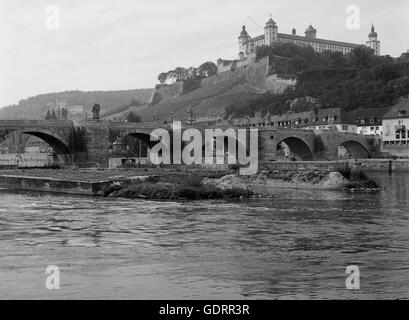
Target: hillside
(215, 94)
(350, 82)
(76, 101)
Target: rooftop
(323, 41)
(399, 110)
(370, 116)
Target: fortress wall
(166, 92)
(277, 85)
(224, 77)
(256, 74)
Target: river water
(294, 246)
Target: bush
(132, 117)
(351, 174)
(358, 175)
(369, 184)
(193, 181)
(344, 169)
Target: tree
(163, 77)
(48, 115)
(207, 69)
(132, 117)
(53, 116)
(172, 76)
(192, 73)
(180, 73)
(362, 57)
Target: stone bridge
(88, 143)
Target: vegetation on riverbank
(174, 187)
(359, 180)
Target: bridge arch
(355, 149)
(58, 143)
(298, 147)
(131, 144)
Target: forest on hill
(352, 81)
(36, 107)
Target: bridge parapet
(35, 123)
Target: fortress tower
(311, 32)
(373, 41)
(270, 32)
(244, 41)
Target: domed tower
(373, 41)
(311, 32)
(270, 32)
(244, 41)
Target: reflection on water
(296, 245)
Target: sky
(57, 45)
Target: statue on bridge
(64, 114)
(95, 110)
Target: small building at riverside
(395, 135)
(369, 121)
(322, 119)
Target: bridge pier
(97, 150)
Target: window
(402, 113)
(372, 128)
(363, 121)
(397, 134)
(403, 134)
(400, 122)
(345, 128)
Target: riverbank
(368, 165)
(178, 184)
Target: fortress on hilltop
(271, 36)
